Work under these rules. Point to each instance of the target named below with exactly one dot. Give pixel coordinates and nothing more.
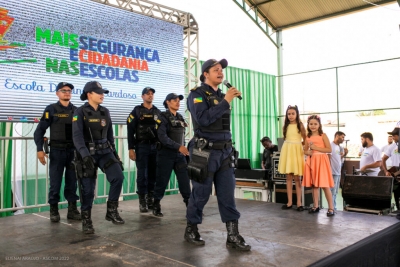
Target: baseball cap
(394, 132)
(62, 84)
(92, 86)
(171, 96)
(212, 62)
(147, 89)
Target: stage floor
(278, 238)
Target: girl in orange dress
(291, 160)
(317, 170)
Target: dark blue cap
(212, 62)
(92, 86)
(147, 89)
(62, 84)
(171, 96)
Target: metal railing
(30, 180)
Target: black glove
(89, 162)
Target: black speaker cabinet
(275, 174)
(281, 195)
(372, 192)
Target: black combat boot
(142, 203)
(157, 208)
(112, 213)
(150, 200)
(54, 215)
(73, 212)
(235, 240)
(192, 235)
(87, 225)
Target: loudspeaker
(372, 192)
(281, 195)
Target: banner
(46, 42)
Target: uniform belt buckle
(202, 143)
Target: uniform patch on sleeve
(46, 115)
(75, 118)
(198, 100)
(131, 116)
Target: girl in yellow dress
(291, 160)
(317, 170)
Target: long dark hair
(314, 117)
(287, 122)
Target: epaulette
(195, 88)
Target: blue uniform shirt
(205, 115)
(78, 126)
(45, 122)
(162, 133)
(133, 120)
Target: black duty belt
(101, 146)
(61, 145)
(205, 144)
(146, 142)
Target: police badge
(155, 117)
(103, 122)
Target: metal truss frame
(255, 16)
(190, 35)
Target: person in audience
(392, 153)
(338, 153)
(370, 162)
(384, 148)
(291, 160)
(317, 170)
(269, 149)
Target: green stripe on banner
(6, 150)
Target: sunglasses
(290, 106)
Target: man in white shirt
(383, 149)
(338, 153)
(392, 153)
(370, 162)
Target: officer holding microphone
(212, 156)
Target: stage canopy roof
(284, 14)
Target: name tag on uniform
(94, 120)
(62, 115)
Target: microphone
(227, 84)
(347, 140)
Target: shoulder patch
(46, 115)
(197, 100)
(75, 118)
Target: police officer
(172, 152)
(94, 140)
(212, 155)
(58, 117)
(142, 138)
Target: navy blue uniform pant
(146, 156)
(224, 182)
(168, 160)
(114, 176)
(60, 160)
